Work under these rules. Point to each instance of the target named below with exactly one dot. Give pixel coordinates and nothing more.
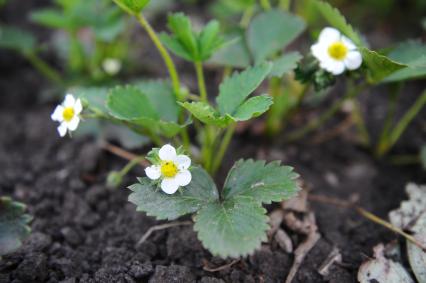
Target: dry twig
(222, 267)
(123, 153)
(160, 227)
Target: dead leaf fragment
(382, 270)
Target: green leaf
(379, 66)
(161, 97)
(165, 128)
(233, 228)
(206, 114)
(132, 6)
(51, 18)
(181, 28)
(154, 202)
(95, 97)
(13, 225)
(186, 43)
(235, 54)
(337, 20)
(176, 47)
(16, 39)
(285, 64)
(129, 103)
(210, 40)
(235, 89)
(262, 182)
(272, 31)
(253, 107)
(413, 54)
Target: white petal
(319, 50)
(73, 124)
(78, 107)
(329, 35)
(62, 129)
(353, 60)
(167, 152)
(333, 66)
(153, 172)
(183, 178)
(169, 185)
(57, 114)
(69, 101)
(183, 162)
(349, 44)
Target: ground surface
(84, 232)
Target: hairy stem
(400, 127)
(223, 147)
(265, 4)
(163, 52)
(44, 68)
(317, 122)
(201, 81)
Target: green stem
(390, 115)
(285, 4)
(360, 123)
(44, 68)
(163, 52)
(265, 4)
(400, 127)
(223, 147)
(315, 124)
(201, 81)
(302, 96)
(129, 166)
(247, 15)
(274, 115)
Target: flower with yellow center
(67, 114)
(172, 169)
(335, 52)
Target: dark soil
(85, 232)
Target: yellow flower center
(338, 50)
(68, 114)
(168, 169)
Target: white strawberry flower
(172, 169)
(67, 114)
(335, 52)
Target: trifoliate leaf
(16, 39)
(235, 54)
(189, 199)
(132, 6)
(272, 31)
(413, 54)
(337, 20)
(285, 64)
(129, 103)
(262, 182)
(379, 66)
(206, 114)
(235, 227)
(188, 44)
(13, 225)
(235, 89)
(253, 107)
